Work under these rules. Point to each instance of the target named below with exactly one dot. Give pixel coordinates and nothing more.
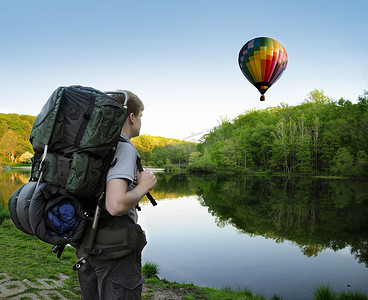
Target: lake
(273, 235)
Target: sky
(179, 57)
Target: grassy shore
(26, 259)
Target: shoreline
(9, 167)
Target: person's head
(135, 107)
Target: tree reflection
(316, 214)
(10, 181)
(170, 186)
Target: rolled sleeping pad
(19, 206)
(12, 205)
(49, 198)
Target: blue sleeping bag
(56, 216)
(62, 219)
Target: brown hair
(134, 104)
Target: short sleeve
(126, 163)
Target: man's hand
(146, 179)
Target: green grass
(26, 257)
(192, 292)
(4, 214)
(324, 292)
(150, 270)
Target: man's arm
(119, 200)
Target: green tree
(280, 149)
(318, 97)
(303, 148)
(228, 154)
(342, 162)
(316, 128)
(168, 165)
(361, 165)
(200, 162)
(363, 101)
(3, 128)
(160, 163)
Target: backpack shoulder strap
(140, 168)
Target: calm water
(279, 235)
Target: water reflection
(171, 186)
(315, 214)
(10, 181)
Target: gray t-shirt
(125, 168)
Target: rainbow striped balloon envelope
(262, 61)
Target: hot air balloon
(262, 61)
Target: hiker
(120, 278)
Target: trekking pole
(91, 237)
(91, 240)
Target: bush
(342, 162)
(150, 270)
(26, 158)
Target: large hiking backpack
(74, 138)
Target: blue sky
(180, 57)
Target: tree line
(163, 152)
(155, 151)
(319, 136)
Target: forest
(320, 136)
(155, 151)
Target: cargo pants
(119, 279)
